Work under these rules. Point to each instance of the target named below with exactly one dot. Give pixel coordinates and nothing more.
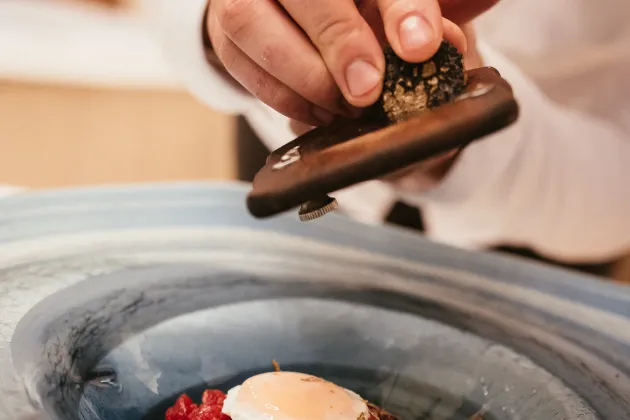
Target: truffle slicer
(304, 172)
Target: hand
(472, 60)
(426, 174)
(312, 60)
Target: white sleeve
(178, 24)
(557, 181)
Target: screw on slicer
(312, 209)
(317, 208)
(480, 90)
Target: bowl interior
(415, 367)
(176, 290)
(127, 353)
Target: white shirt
(557, 181)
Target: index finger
(347, 44)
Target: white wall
(68, 42)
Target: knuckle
(278, 97)
(318, 85)
(233, 15)
(274, 58)
(261, 86)
(334, 28)
(229, 60)
(312, 81)
(224, 53)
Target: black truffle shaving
(412, 88)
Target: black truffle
(411, 88)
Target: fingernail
(415, 33)
(321, 115)
(361, 78)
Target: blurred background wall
(86, 98)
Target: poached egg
(293, 396)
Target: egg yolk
(293, 396)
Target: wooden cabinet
(56, 135)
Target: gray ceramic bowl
(152, 291)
